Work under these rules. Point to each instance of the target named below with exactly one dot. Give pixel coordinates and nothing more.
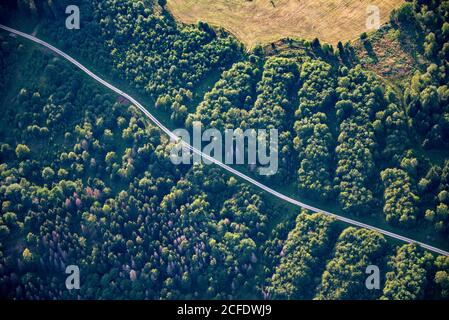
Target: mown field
(263, 21)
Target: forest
(86, 179)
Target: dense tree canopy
(359, 98)
(314, 139)
(302, 256)
(344, 276)
(85, 179)
(407, 278)
(400, 202)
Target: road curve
(211, 159)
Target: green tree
(22, 151)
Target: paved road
(222, 165)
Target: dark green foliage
(314, 140)
(441, 278)
(407, 278)
(240, 100)
(427, 96)
(274, 107)
(437, 183)
(302, 256)
(400, 201)
(109, 200)
(227, 104)
(344, 277)
(360, 97)
(147, 48)
(160, 57)
(85, 179)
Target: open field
(263, 21)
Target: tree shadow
(369, 49)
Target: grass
(264, 21)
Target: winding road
(207, 157)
